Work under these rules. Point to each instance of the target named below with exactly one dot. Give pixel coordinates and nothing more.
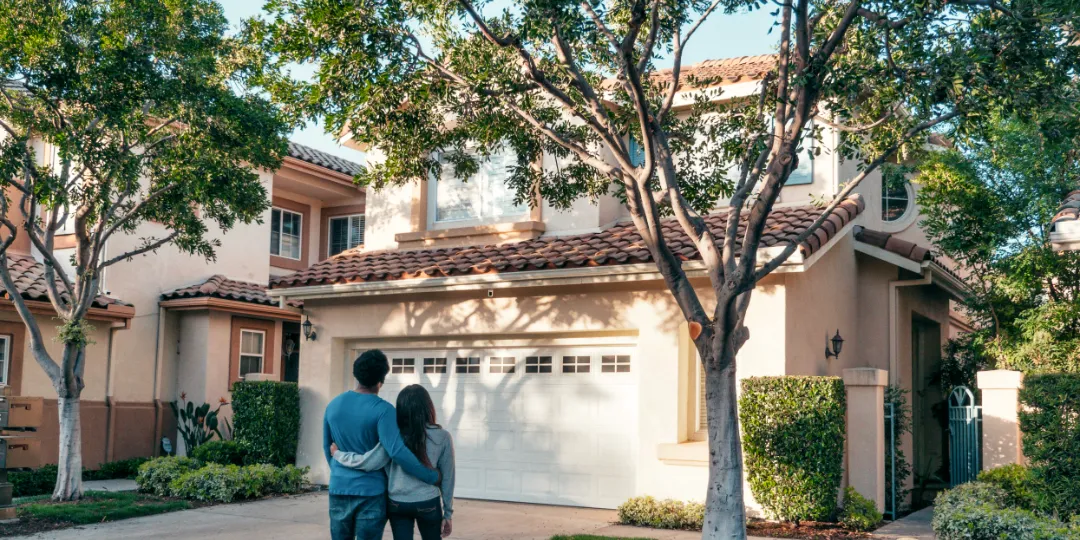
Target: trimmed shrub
(1051, 438)
(266, 420)
(221, 452)
(228, 483)
(1022, 489)
(662, 514)
(859, 513)
(976, 511)
(156, 475)
(127, 468)
(36, 482)
(793, 438)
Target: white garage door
(539, 425)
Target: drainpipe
(894, 320)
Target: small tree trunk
(69, 468)
(725, 511)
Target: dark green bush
(220, 452)
(123, 469)
(978, 511)
(228, 483)
(1051, 437)
(36, 482)
(266, 420)
(156, 475)
(858, 513)
(793, 438)
(1022, 489)
(662, 514)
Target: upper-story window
(482, 198)
(804, 173)
(346, 232)
(5, 358)
(895, 198)
(285, 231)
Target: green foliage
(228, 483)
(1049, 407)
(979, 511)
(75, 332)
(127, 468)
(221, 452)
(197, 425)
(1022, 488)
(266, 415)
(901, 425)
(35, 482)
(99, 507)
(662, 514)
(858, 512)
(156, 475)
(793, 439)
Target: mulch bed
(807, 529)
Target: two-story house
(554, 352)
(188, 326)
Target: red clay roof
(1069, 210)
(720, 71)
(617, 245)
(892, 244)
(219, 286)
(29, 277)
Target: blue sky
(721, 36)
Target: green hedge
(156, 476)
(858, 513)
(979, 511)
(1050, 404)
(662, 514)
(221, 452)
(793, 438)
(266, 420)
(228, 483)
(1022, 488)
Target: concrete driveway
(305, 516)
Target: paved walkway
(110, 485)
(915, 525)
(304, 516)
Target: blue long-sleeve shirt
(356, 423)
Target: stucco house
(553, 350)
(1065, 226)
(183, 324)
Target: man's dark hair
(370, 368)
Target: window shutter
(357, 233)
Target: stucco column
(321, 371)
(1001, 424)
(866, 431)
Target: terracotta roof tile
(720, 71)
(614, 246)
(219, 286)
(29, 277)
(323, 159)
(892, 244)
(1069, 210)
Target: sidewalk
(912, 526)
(110, 485)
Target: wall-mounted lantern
(837, 344)
(309, 330)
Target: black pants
(427, 515)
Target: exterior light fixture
(309, 330)
(837, 345)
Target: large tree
(141, 102)
(433, 82)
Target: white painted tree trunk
(69, 468)
(725, 510)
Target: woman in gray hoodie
(411, 500)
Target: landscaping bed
(39, 514)
(806, 529)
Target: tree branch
(151, 246)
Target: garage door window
(537, 364)
(615, 364)
(467, 365)
(501, 364)
(434, 365)
(575, 364)
(403, 365)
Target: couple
(368, 444)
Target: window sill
(690, 453)
(517, 228)
(287, 263)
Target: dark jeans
(354, 517)
(427, 515)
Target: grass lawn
(591, 537)
(99, 506)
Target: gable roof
(219, 286)
(323, 159)
(29, 277)
(618, 245)
(892, 244)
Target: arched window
(895, 198)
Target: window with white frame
(402, 365)
(346, 232)
(434, 365)
(467, 365)
(615, 363)
(576, 364)
(252, 351)
(483, 197)
(285, 233)
(804, 173)
(501, 364)
(895, 197)
(5, 358)
(537, 364)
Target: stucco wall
(34, 380)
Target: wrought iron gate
(965, 436)
(890, 461)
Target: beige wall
(34, 380)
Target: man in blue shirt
(357, 421)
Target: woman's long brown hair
(415, 412)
